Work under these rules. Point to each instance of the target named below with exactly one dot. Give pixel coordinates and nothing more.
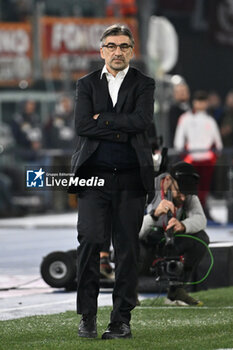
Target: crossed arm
(112, 126)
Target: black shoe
(117, 330)
(87, 327)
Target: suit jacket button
(118, 136)
(107, 122)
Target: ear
(102, 53)
(132, 53)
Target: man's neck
(113, 71)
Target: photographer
(176, 195)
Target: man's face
(200, 105)
(66, 104)
(30, 107)
(117, 59)
(229, 100)
(181, 93)
(177, 196)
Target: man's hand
(96, 116)
(163, 208)
(176, 225)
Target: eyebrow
(117, 44)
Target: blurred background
(45, 46)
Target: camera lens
(174, 267)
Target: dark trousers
(108, 235)
(123, 198)
(192, 250)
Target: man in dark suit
(113, 110)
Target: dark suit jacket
(133, 116)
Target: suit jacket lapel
(123, 90)
(102, 91)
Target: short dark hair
(200, 95)
(117, 29)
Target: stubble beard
(118, 66)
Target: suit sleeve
(140, 119)
(85, 125)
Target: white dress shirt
(114, 83)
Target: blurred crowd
(57, 132)
(26, 140)
(198, 127)
(201, 130)
(220, 110)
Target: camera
(168, 269)
(173, 268)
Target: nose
(118, 51)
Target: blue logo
(35, 178)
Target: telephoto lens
(174, 268)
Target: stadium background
(45, 47)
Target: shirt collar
(120, 73)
